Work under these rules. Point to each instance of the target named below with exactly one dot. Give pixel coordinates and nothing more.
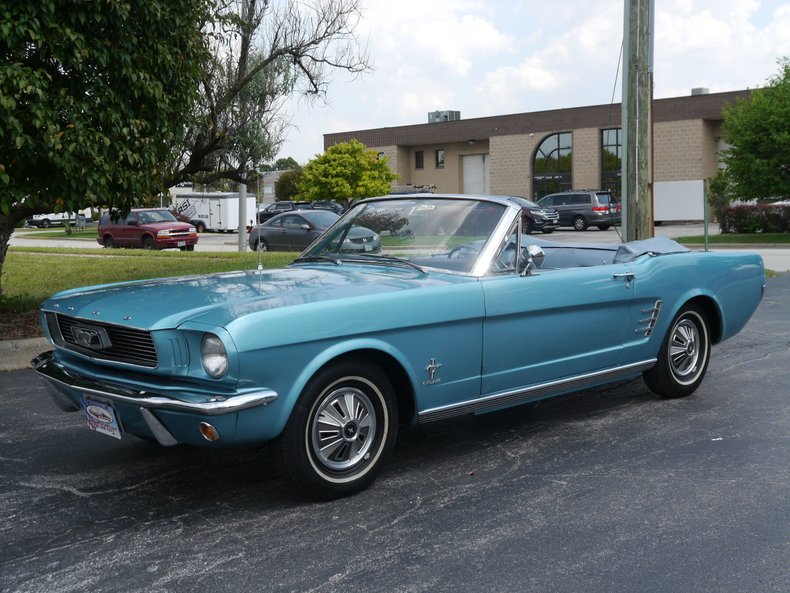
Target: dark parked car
(294, 231)
(149, 228)
(536, 218)
(328, 205)
(280, 207)
(583, 208)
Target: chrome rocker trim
(55, 375)
(534, 393)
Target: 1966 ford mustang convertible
(449, 309)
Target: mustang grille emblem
(94, 338)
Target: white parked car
(51, 219)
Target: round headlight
(213, 355)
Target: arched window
(551, 167)
(611, 159)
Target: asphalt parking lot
(609, 490)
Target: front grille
(126, 344)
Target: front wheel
(260, 245)
(340, 431)
(148, 243)
(683, 358)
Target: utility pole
(637, 187)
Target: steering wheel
(456, 251)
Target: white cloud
(510, 56)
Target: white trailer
(214, 211)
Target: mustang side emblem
(432, 367)
(94, 338)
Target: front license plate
(101, 418)
(367, 247)
(182, 243)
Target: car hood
(218, 299)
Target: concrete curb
(15, 355)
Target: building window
(611, 159)
(440, 158)
(552, 165)
(419, 158)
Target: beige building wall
(679, 151)
(511, 164)
(586, 165)
(447, 179)
(683, 150)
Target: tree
(287, 186)
(263, 53)
(92, 97)
(758, 133)
(346, 171)
(281, 164)
(720, 196)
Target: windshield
(439, 233)
(150, 216)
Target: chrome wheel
(343, 429)
(683, 357)
(684, 350)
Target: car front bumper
(169, 418)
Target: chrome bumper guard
(55, 375)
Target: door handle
(627, 275)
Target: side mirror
(535, 256)
(305, 227)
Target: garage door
(475, 174)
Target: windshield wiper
(315, 258)
(388, 259)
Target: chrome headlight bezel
(213, 355)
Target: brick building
(532, 154)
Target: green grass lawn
(32, 274)
(57, 234)
(738, 239)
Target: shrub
(759, 218)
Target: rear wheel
(45, 223)
(108, 242)
(579, 223)
(340, 431)
(261, 245)
(603, 227)
(683, 358)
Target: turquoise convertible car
(452, 311)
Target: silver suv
(581, 208)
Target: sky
(495, 57)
